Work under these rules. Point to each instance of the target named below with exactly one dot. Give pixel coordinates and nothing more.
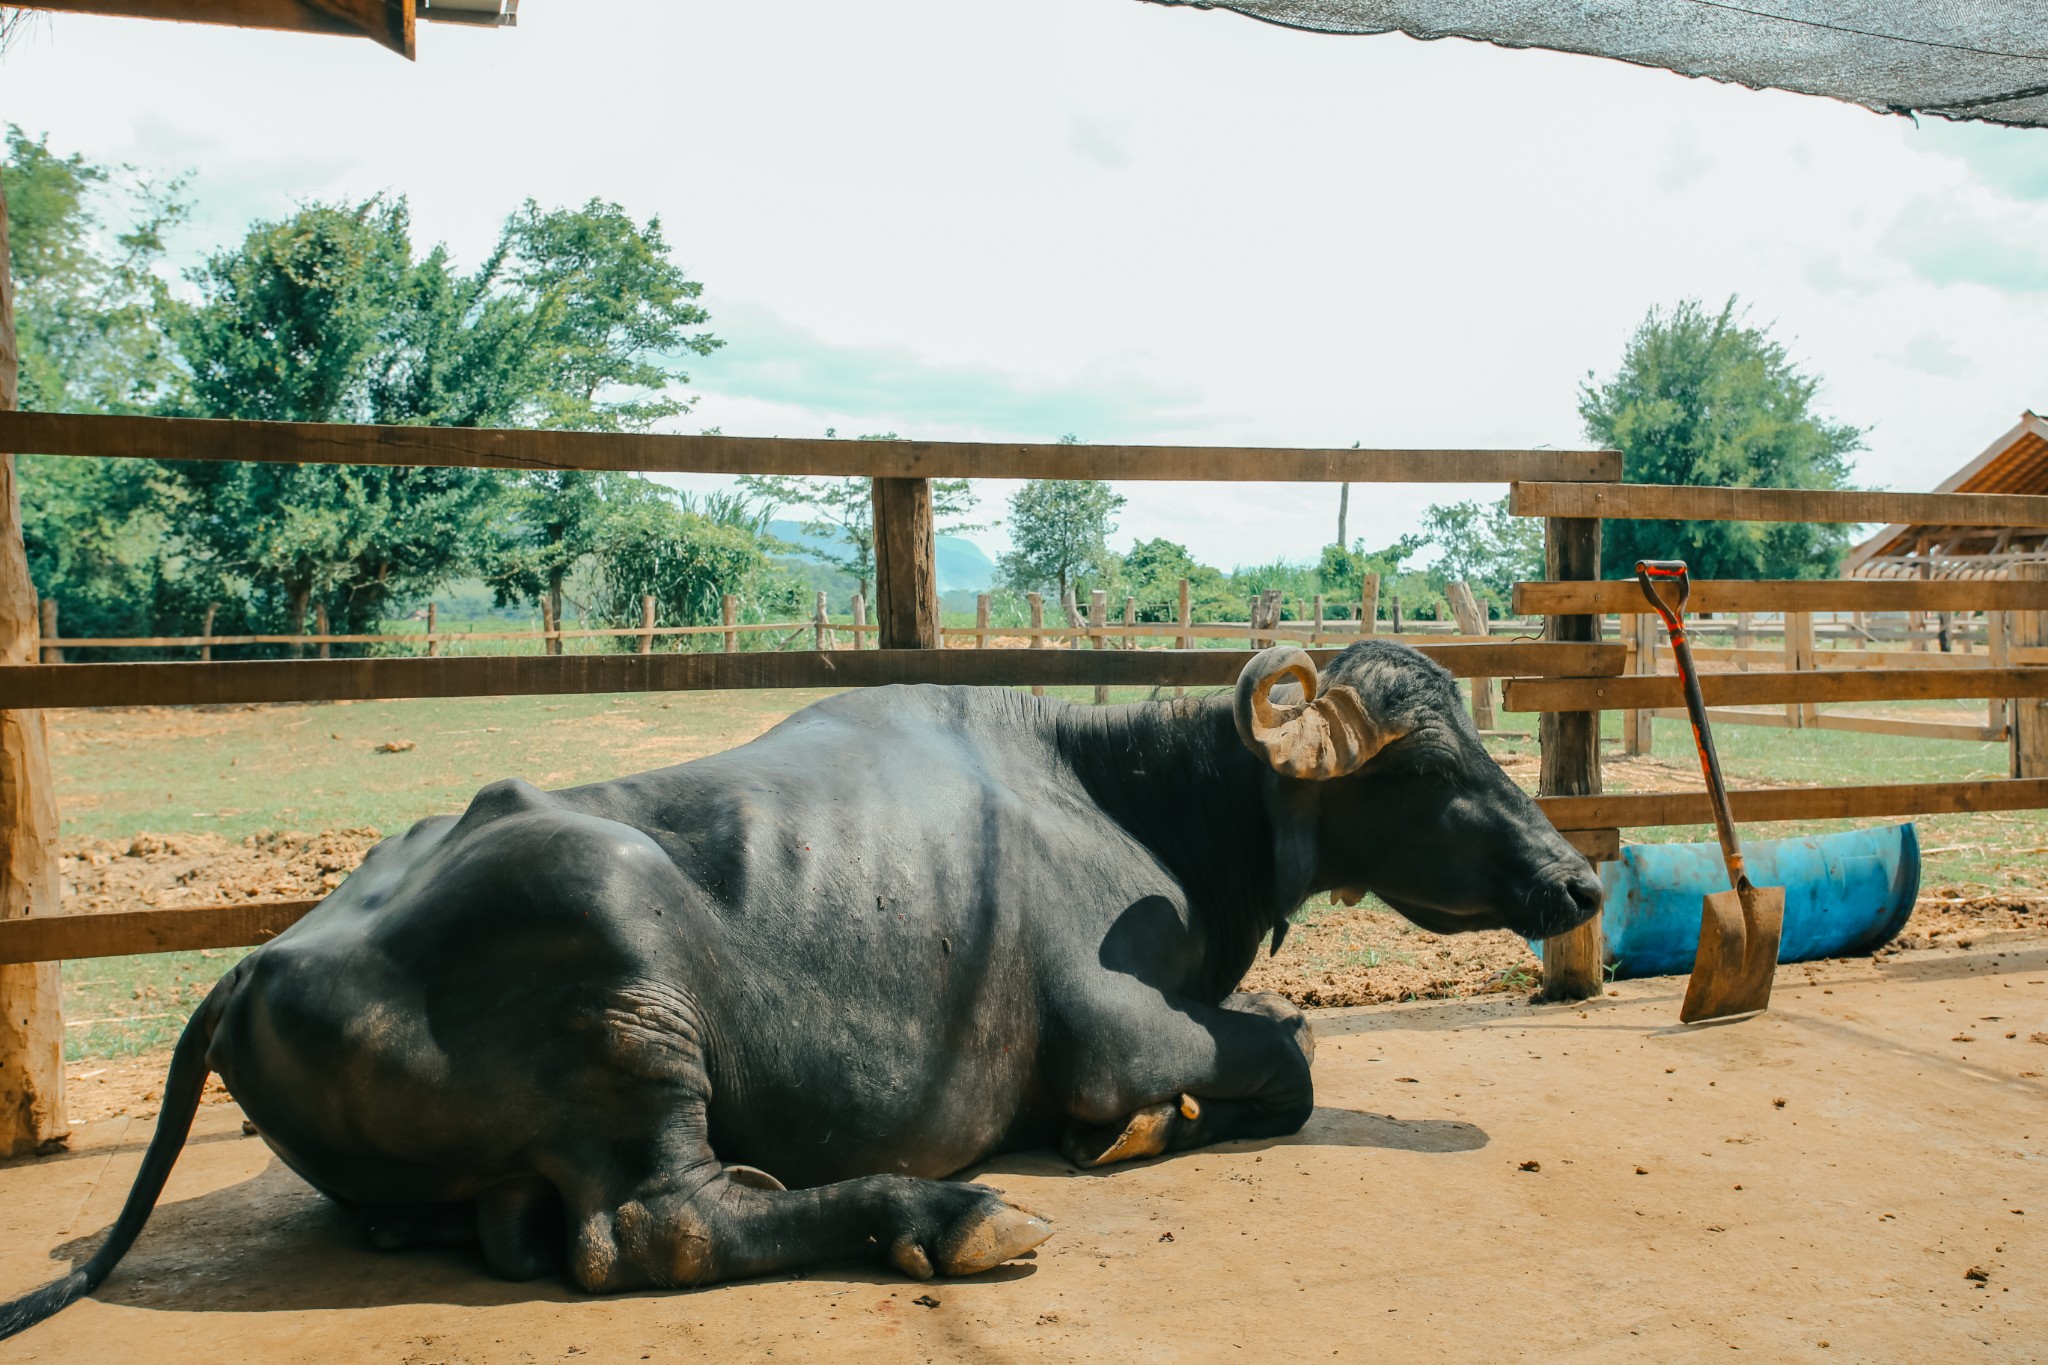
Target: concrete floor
(1813, 1184)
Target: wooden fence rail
(1610, 596)
(186, 438)
(1663, 502)
(1765, 689)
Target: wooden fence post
(2029, 629)
(1184, 615)
(1471, 618)
(1997, 643)
(981, 620)
(1799, 659)
(1037, 604)
(433, 630)
(323, 626)
(52, 654)
(206, 629)
(1251, 622)
(1098, 610)
(729, 615)
(1638, 727)
(906, 574)
(1315, 635)
(646, 623)
(1369, 604)
(1945, 631)
(1394, 618)
(1743, 638)
(1131, 622)
(31, 1011)
(1574, 964)
(821, 625)
(860, 618)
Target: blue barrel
(1845, 894)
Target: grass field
(238, 771)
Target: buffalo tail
(181, 1093)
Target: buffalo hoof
(1145, 1134)
(992, 1231)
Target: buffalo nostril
(1585, 890)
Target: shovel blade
(1738, 956)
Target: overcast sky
(1135, 223)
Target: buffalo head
(1407, 803)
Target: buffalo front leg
(1171, 1077)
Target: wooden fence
(1567, 678)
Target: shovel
(1739, 928)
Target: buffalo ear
(1322, 736)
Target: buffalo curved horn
(1323, 736)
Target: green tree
(1059, 530)
(842, 511)
(86, 296)
(1483, 546)
(688, 553)
(1702, 398)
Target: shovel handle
(1649, 572)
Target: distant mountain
(963, 567)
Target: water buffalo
(741, 1015)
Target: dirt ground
(1851, 1177)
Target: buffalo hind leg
(725, 1229)
(1244, 1074)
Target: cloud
(1946, 245)
(2013, 161)
(1099, 143)
(767, 359)
(1933, 355)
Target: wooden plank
(1835, 720)
(1846, 659)
(1671, 502)
(2028, 753)
(1760, 689)
(906, 570)
(1613, 596)
(187, 438)
(284, 680)
(387, 22)
(124, 933)
(1634, 810)
(1599, 845)
(1574, 963)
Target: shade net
(1956, 59)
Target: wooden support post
(1859, 621)
(1037, 604)
(1799, 659)
(1574, 964)
(1369, 605)
(323, 626)
(1130, 620)
(1638, 727)
(1315, 635)
(729, 615)
(433, 629)
(1945, 630)
(1098, 612)
(646, 623)
(31, 1011)
(821, 625)
(906, 574)
(1744, 637)
(1471, 618)
(1395, 617)
(548, 643)
(1184, 615)
(981, 620)
(860, 618)
(1998, 644)
(206, 628)
(2029, 743)
(52, 654)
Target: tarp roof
(1957, 59)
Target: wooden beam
(1774, 595)
(386, 22)
(285, 680)
(63, 938)
(187, 438)
(1759, 689)
(1835, 720)
(1668, 502)
(32, 1114)
(906, 563)
(1634, 810)
(1599, 845)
